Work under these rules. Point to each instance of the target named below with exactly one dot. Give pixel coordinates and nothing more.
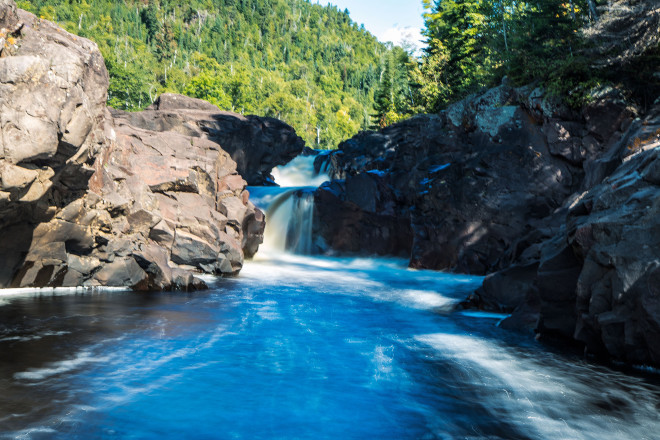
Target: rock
(8, 14)
(154, 260)
(171, 101)
(481, 184)
(471, 183)
(142, 200)
(344, 226)
(123, 272)
(171, 199)
(504, 291)
(256, 144)
(596, 277)
(53, 88)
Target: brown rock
(140, 200)
(8, 14)
(256, 144)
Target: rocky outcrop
(159, 209)
(595, 281)
(257, 144)
(475, 186)
(96, 197)
(53, 89)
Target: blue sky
(389, 20)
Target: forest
(309, 65)
(327, 76)
(568, 47)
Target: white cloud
(401, 36)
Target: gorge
(184, 271)
(300, 346)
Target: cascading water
(290, 207)
(299, 172)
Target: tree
(210, 88)
(458, 30)
(166, 45)
(393, 100)
(149, 16)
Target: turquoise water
(299, 348)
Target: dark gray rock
(596, 279)
(479, 185)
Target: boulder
(172, 202)
(256, 144)
(53, 89)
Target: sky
(388, 20)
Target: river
(299, 347)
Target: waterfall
(289, 222)
(299, 173)
(289, 208)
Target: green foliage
(393, 97)
(472, 44)
(573, 80)
(457, 32)
(309, 65)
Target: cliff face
(595, 281)
(52, 107)
(94, 198)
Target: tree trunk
(506, 43)
(592, 10)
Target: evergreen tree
(308, 64)
(457, 32)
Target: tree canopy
(307, 64)
(473, 44)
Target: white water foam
(55, 368)
(355, 277)
(27, 434)
(537, 394)
(6, 295)
(299, 172)
(33, 337)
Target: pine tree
(458, 30)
